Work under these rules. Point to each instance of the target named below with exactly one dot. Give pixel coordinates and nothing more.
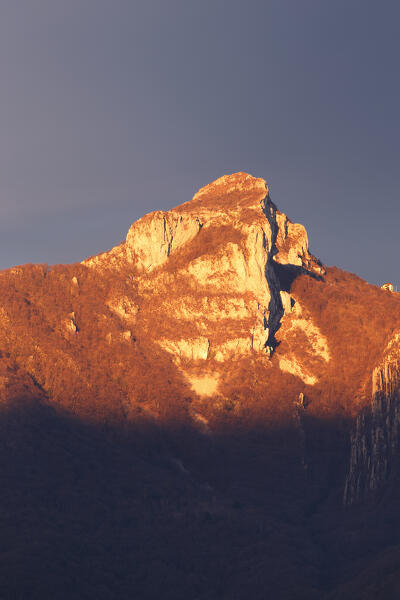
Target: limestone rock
(209, 265)
(375, 439)
(152, 239)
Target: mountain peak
(235, 182)
(212, 265)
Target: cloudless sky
(113, 108)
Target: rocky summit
(203, 411)
(206, 275)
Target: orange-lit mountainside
(204, 411)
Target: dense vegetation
(110, 491)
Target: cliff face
(207, 280)
(376, 435)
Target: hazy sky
(110, 109)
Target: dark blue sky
(111, 109)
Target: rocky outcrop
(210, 265)
(152, 239)
(303, 339)
(375, 439)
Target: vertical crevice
(168, 236)
(275, 307)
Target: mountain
(204, 411)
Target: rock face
(152, 239)
(210, 265)
(375, 440)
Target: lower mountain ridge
(204, 411)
